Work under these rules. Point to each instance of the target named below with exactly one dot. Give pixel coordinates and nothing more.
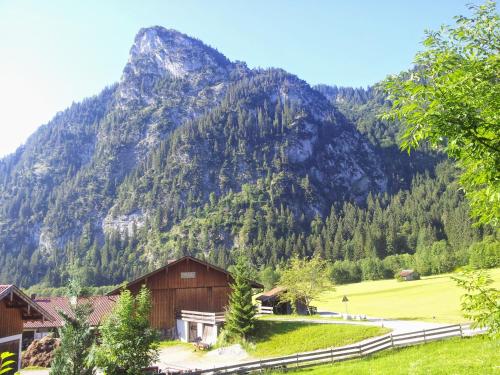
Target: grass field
(298, 317)
(283, 338)
(433, 298)
(477, 355)
(170, 343)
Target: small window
(188, 275)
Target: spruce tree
(240, 317)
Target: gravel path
(183, 357)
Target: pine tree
(240, 318)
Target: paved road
(398, 326)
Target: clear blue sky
(54, 52)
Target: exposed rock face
(159, 54)
(40, 352)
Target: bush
(436, 259)
(128, 343)
(485, 254)
(396, 263)
(373, 269)
(77, 338)
(269, 277)
(343, 272)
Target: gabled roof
(15, 298)
(101, 306)
(270, 294)
(404, 273)
(173, 263)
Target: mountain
(112, 185)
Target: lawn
(170, 343)
(298, 317)
(433, 298)
(283, 338)
(477, 355)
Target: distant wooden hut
(189, 298)
(409, 275)
(15, 308)
(273, 298)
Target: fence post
(392, 341)
(297, 359)
(425, 341)
(331, 353)
(360, 351)
(461, 332)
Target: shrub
(480, 303)
(128, 343)
(77, 338)
(373, 269)
(343, 272)
(485, 254)
(435, 259)
(396, 263)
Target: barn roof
(16, 298)
(406, 272)
(171, 263)
(101, 306)
(270, 294)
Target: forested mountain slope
(191, 153)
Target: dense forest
(218, 158)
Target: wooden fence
(338, 354)
(265, 310)
(201, 317)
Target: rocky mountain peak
(159, 53)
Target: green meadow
(282, 338)
(433, 298)
(471, 356)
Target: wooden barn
(16, 308)
(409, 275)
(273, 299)
(189, 298)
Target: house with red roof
(36, 329)
(15, 309)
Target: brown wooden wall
(11, 322)
(208, 291)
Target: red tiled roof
(3, 288)
(101, 305)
